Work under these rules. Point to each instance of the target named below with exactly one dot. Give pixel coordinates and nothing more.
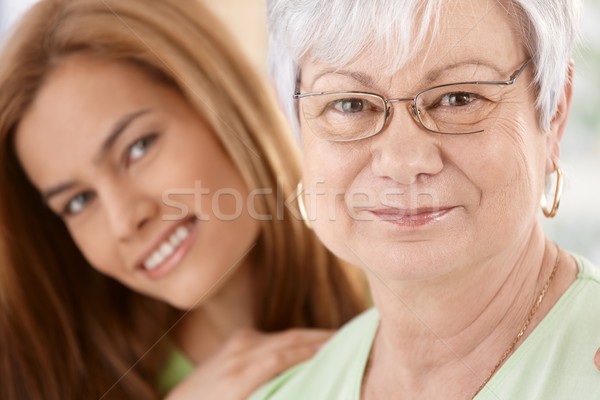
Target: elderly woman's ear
(559, 120)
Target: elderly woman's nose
(403, 151)
(127, 211)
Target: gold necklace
(533, 310)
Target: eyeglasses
(450, 109)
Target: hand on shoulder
(248, 360)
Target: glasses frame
(415, 111)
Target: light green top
(555, 362)
(177, 368)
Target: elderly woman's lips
(411, 218)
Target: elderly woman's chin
(428, 242)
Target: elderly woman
(431, 130)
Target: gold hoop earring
(551, 213)
(301, 206)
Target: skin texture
(122, 214)
(485, 260)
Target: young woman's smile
(170, 248)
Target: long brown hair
(69, 332)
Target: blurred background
(577, 225)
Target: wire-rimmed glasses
(451, 109)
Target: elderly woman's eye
(77, 204)
(350, 105)
(139, 148)
(458, 99)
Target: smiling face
(129, 166)
(413, 204)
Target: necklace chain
(532, 312)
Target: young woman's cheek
(90, 235)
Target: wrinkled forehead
(383, 37)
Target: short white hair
(337, 31)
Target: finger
(247, 373)
(288, 341)
(252, 343)
(296, 337)
(597, 359)
(260, 371)
(278, 352)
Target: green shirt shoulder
(335, 372)
(177, 368)
(555, 362)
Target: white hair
(337, 31)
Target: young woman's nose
(128, 211)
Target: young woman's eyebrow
(105, 148)
(56, 190)
(117, 130)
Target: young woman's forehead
(81, 102)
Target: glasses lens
(343, 116)
(459, 109)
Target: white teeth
(156, 258)
(182, 232)
(166, 248)
(174, 240)
(150, 264)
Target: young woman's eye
(77, 204)
(139, 148)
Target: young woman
(147, 212)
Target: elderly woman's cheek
(330, 169)
(512, 169)
(529, 144)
